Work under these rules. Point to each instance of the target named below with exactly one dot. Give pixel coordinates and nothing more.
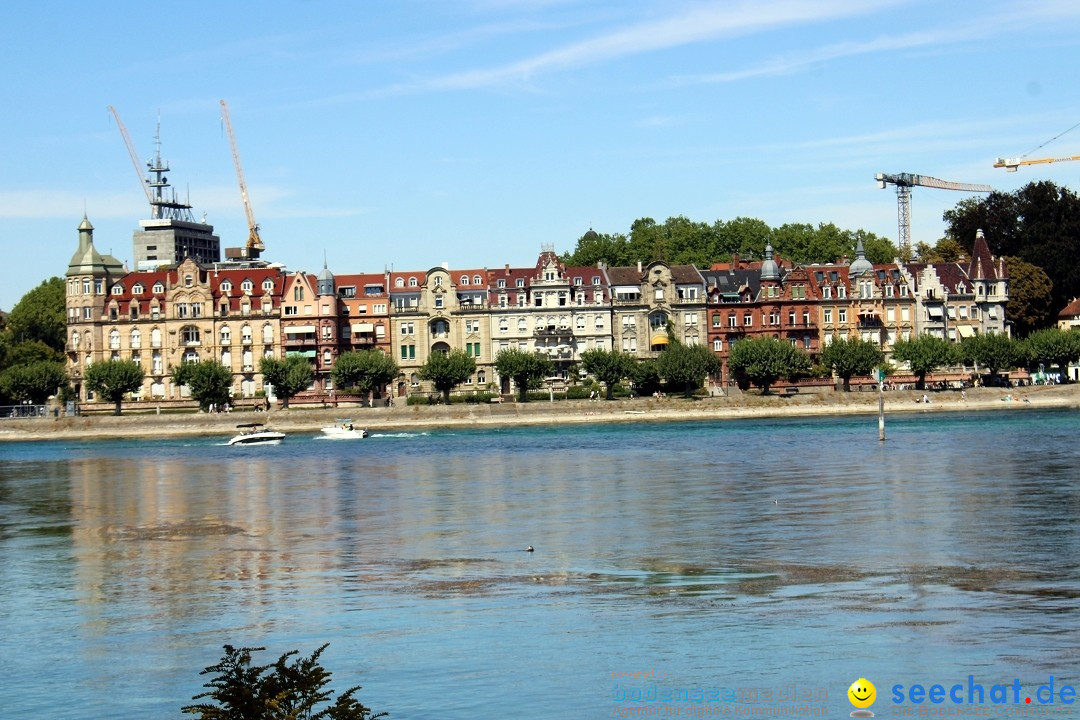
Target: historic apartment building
(238, 312)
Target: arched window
(188, 280)
(399, 282)
(412, 282)
(114, 340)
(226, 335)
(136, 339)
(476, 280)
(245, 335)
(155, 338)
(268, 334)
(75, 340)
(190, 335)
(464, 280)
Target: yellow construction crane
(254, 243)
(134, 155)
(904, 182)
(1012, 164)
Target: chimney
(639, 266)
(734, 260)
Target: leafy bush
(283, 690)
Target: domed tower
(860, 266)
(324, 284)
(770, 272)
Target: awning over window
(301, 353)
(991, 312)
(659, 340)
(965, 331)
(935, 311)
(299, 329)
(363, 327)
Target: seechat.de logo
(862, 695)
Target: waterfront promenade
(299, 419)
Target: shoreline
(565, 412)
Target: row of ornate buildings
(237, 312)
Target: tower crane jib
(904, 182)
(254, 242)
(133, 155)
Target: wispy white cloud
(699, 23)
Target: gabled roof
(1071, 310)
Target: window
(805, 317)
(791, 317)
(408, 352)
(438, 281)
(158, 288)
(196, 310)
(114, 340)
(903, 291)
(188, 281)
(798, 292)
(629, 344)
(905, 314)
(595, 279)
(297, 292)
(438, 301)
(226, 335)
(408, 328)
(716, 320)
(476, 280)
(504, 325)
(399, 282)
(828, 316)
(659, 294)
(888, 291)
(290, 310)
(472, 326)
(826, 293)
(86, 313)
(629, 321)
(500, 283)
(463, 280)
(380, 308)
(599, 322)
(413, 282)
(841, 292)
(327, 332)
(748, 320)
(268, 334)
(191, 335)
(226, 286)
(732, 321)
(246, 286)
(841, 315)
(86, 286)
(472, 349)
(267, 284)
(155, 362)
(690, 318)
(117, 289)
(890, 314)
(866, 290)
(717, 345)
(99, 286)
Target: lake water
(677, 566)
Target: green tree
(763, 361)
(365, 371)
(1039, 223)
(447, 370)
(208, 381)
(851, 356)
(289, 689)
(687, 365)
(1031, 296)
(594, 247)
(745, 236)
(925, 354)
(288, 377)
(523, 368)
(993, 351)
(40, 315)
(112, 379)
(35, 381)
(608, 366)
(1053, 347)
(646, 377)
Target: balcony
(557, 333)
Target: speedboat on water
(344, 430)
(256, 434)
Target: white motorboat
(344, 430)
(256, 434)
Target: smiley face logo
(862, 693)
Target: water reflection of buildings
(178, 539)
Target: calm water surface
(691, 556)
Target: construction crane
(134, 156)
(254, 242)
(904, 182)
(1012, 164)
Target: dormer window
(247, 286)
(476, 280)
(137, 290)
(268, 285)
(438, 281)
(464, 280)
(501, 283)
(413, 282)
(520, 282)
(117, 289)
(158, 288)
(226, 287)
(188, 280)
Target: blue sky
(409, 133)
